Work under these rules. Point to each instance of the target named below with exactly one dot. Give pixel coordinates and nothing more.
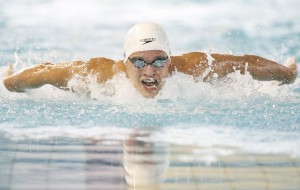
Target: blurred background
(65, 30)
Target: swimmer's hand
(292, 66)
(9, 71)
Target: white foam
(178, 87)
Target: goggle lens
(139, 63)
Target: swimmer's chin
(150, 95)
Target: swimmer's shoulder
(104, 68)
(188, 62)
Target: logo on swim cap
(147, 40)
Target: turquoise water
(253, 117)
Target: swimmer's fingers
(9, 71)
(292, 66)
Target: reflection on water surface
(139, 161)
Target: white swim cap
(145, 36)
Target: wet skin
(148, 80)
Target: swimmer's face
(148, 79)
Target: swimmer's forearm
(36, 77)
(260, 68)
(267, 70)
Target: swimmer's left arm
(258, 67)
(217, 65)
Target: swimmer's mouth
(150, 83)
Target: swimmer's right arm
(37, 76)
(59, 75)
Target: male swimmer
(147, 62)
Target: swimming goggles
(158, 62)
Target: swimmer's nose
(149, 70)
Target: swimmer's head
(147, 58)
(145, 36)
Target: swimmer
(147, 62)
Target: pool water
(234, 133)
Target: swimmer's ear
(9, 71)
